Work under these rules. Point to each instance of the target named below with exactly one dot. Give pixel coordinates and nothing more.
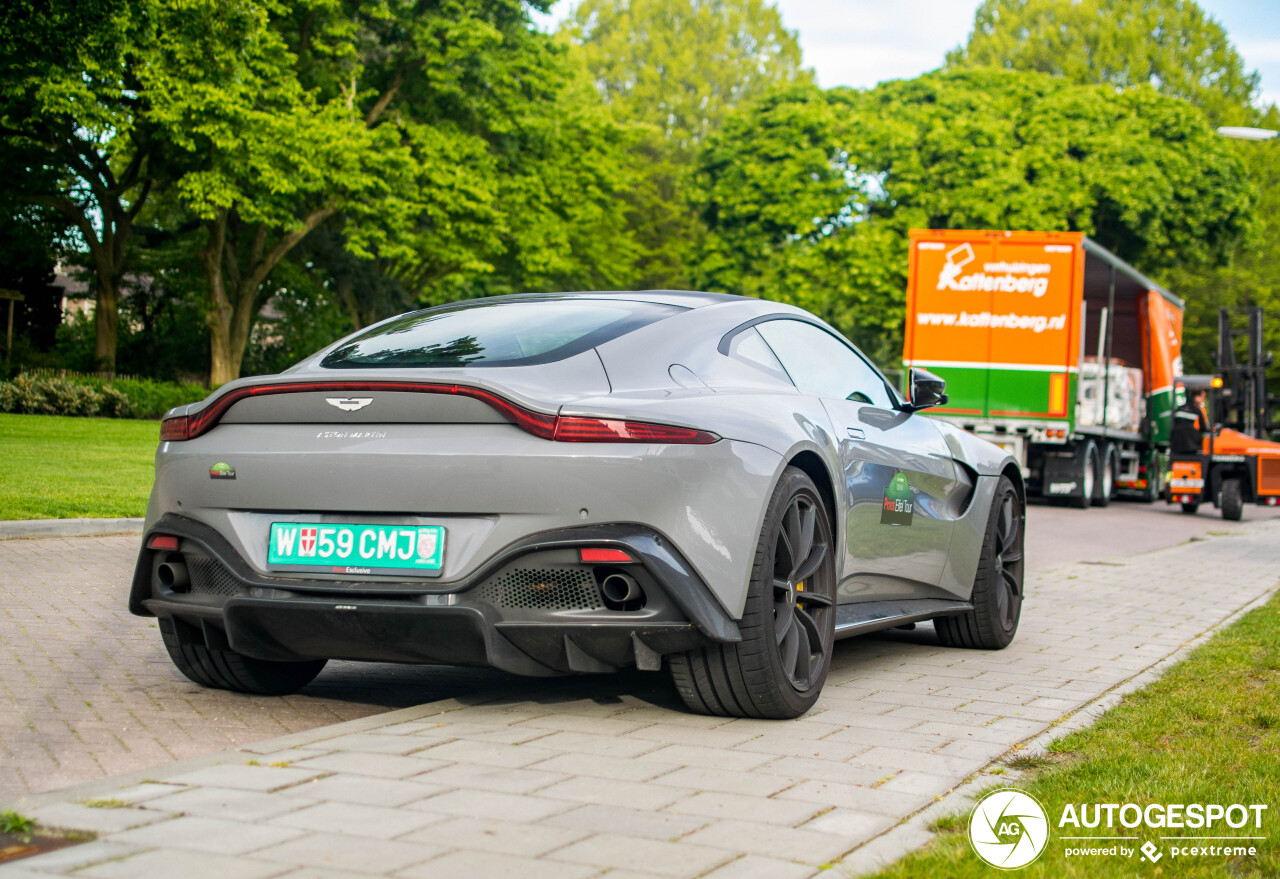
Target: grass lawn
(1207, 732)
(53, 467)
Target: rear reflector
(549, 427)
(163, 541)
(604, 557)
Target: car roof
(682, 298)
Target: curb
(913, 832)
(27, 528)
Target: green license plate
(356, 549)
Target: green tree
(671, 70)
(76, 130)
(807, 196)
(442, 142)
(1170, 45)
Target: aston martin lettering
(349, 404)
(352, 434)
(357, 549)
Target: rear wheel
(224, 669)
(1105, 484)
(788, 625)
(997, 588)
(1087, 461)
(1232, 500)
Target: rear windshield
(496, 334)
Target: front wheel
(788, 625)
(997, 588)
(1232, 500)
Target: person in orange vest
(1190, 425)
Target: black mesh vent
(209, 577)
(542, 589)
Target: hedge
(110, 398)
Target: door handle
(856, 433)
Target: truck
(1054, 348)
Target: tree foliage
(671, 70)
(1170, 45)
(807, 196)
(75, 130)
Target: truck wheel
(1087, 461)
(224, 669)
(1151, 493)
(788, 625)
(1231, 500)
(1105, 485)
(1190, 509)
(997, 588)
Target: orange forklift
(1233, 467)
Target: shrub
(125, 398)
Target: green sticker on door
(899, 502)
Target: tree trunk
(106, 322)
(233, 289)
(218, 317)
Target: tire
(778, 668)
(1190, 509)
(1151, 493)
(997, 587)
(224, 669)
(1231, 500)
(1088, 472)
(1104, 486)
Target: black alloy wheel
(998, 585)
(801, 606)
(788, 622)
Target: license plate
(356, 549)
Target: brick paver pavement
(597, 777)
(87, 690)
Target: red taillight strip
(604, 430)
(551, 427)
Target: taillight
(604, 430)
(549, 427)
(175, 429)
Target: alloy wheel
(803, 592)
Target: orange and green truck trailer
(1054, 348)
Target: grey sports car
(576, 482)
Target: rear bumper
(533, 609)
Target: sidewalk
(588, 781)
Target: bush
(125, 398)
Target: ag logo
(899, 502)
(1008, 829)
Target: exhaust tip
(621, 592)
(173, 576)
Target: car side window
(749, 347)
(819, 363)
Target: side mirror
(927, 390)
